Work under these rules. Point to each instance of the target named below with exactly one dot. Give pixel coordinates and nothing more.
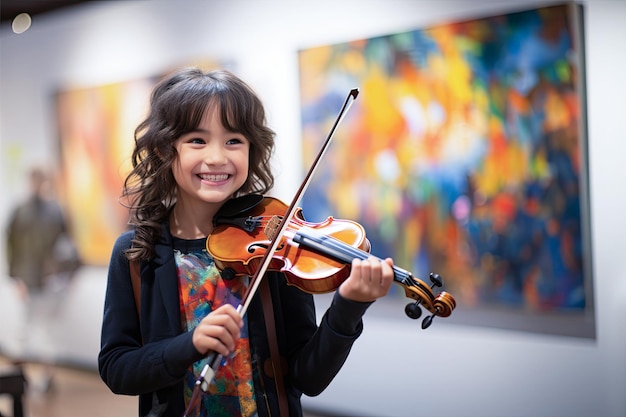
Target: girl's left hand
(369, 280)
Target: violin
(315, 257)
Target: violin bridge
(271, 228)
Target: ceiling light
(21, 23)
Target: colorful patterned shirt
(202, 289)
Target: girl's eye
(197, 141)
(234, 141)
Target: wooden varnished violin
(315, 257)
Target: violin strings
(341, 250)
(356, 253)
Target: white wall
(394, 370)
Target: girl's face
(212, 163)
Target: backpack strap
(276, 367)
(135, 277)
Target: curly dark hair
(177, 105)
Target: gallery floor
(74, 393)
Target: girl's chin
(216, 198)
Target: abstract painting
(465, 155)
(96, 127)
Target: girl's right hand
(218, 331)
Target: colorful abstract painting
(96, 128)
(464, 155)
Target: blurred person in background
(42, 259)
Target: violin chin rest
(235, 206)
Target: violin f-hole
(253, 247)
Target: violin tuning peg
(413, 310)
(427, 321)
(436, 280)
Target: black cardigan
(151, 360)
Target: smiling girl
(204, 142)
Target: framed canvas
(465, 154)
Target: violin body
(315, 257)
(240, 251)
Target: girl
(205, 141)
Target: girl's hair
(177, 106)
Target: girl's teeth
(214, 177)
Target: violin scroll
(440, 305)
